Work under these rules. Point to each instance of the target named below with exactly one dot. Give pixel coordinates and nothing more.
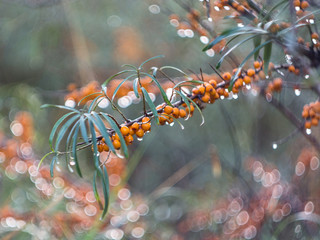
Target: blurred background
(203, 182)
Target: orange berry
(291, 68)
(251, 72)
(131, 131)
(304, 4)
(206, 97)
(277, 84)
(305, 114)
(226, 94)
(182, 113)
(128, 139)
(100, 147)
(247, 79)
(195, 91)
(146, 126)
(226, 76)
(135, 126)
(213, 83)
(168, 109)
(314, 122)
(116, 143)
(256, 64)
(140, 133)
(307, 124)
(115, 137)
(202, 89)
(315, 36)
(105, 147)
(125, 130)
(145, 120)
(209, 88)
(162, 120)
(175, 112)
(296, 3)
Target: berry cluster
(311, 114)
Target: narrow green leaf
(74, 150)
(176, 69)
(186, 81)
(256, 43)
(53, 162)
(95, 146)
(266, 57)
(163, 93)
(95, 189)
(234, 32)
(49, 153)
(94, 103)
(235, 76)
(115, 127)
(160, 56)
(69, 138)
(60, 106)
(63, 130)
(83, 129)
(150, 103)
(115, 75)
(122, 82)
(55, 127)
(130, 66)
(105, 183)
(99, 123)
(89, 96)
(135, 87)
(233, 48)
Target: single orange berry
(226, 76)
(128, 139)
(256, 64)
(314, 122)
(304, 4)
(135, 126)
(307, 124)
(115, 137)
(168, 109)
(131, 131)
(291, 68)
(305, 114)
(175, 112)
(146, 126)
(209, 87)
(296, 3)
(100, 147)
(213, 83)
(195, 91)
(116, 143)
(105, 147)
(140, 133)
(240, 9)
(206, 97)
(182, 113)
(315, 36)
(202, 89)
(124, 130)
(251, 72)
(247, 79)
(145, 120)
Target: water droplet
(222, 97)
(139, 139)
(70, 168)
(307, 76)
(204, 39)
(119, 154)
(210, 19)
(171, 124)
(58, 168)
(72, 163)
(297, 92)
(235, 96)
(216, 8)
(308, 131)
(248, 86)
(274, 146)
